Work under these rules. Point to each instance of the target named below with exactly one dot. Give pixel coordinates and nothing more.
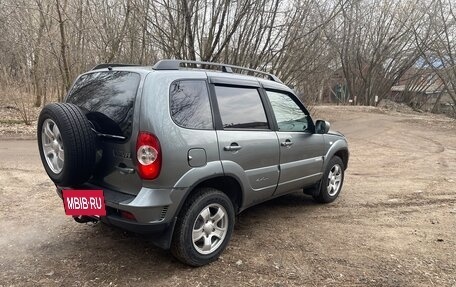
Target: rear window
(107, 99)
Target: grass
(11, 122)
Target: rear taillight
(148, 154)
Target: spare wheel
(66, 144)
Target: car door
(248, 146)
(301, 150)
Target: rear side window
(107, 99)
(241, 108)
(189, 104)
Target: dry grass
(17, 113)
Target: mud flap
(164, 239)
(314, 190)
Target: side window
(241, 108)
(189, 104)
(290, 117)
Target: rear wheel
(203, 228)
(332, 181)
(66, 144)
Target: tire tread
(323, 196)
(78, 139)
(178, 246)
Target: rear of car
(145, 128)
(126, 155)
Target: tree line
(369, 44)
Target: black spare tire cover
(66, 143)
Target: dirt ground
(394, 223)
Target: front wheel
(203, 228)
(332, 181)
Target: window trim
(224, 81)
(219, 122)
(210, 103)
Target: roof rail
(177, 65)
(111, 65)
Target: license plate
(84, 202)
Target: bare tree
(438, 45)
(64, 67)
(375, 45)
(371, 44)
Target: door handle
(232, 147)
(286, 143)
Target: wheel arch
(340, 149)
(226, 184)
(343, 154)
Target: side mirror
(322, 127)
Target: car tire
(332, 181)
(203, 228)
(66, 143)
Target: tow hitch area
(85, 219)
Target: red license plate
(84, 202)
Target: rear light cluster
(148, 154)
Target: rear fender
(194, 177)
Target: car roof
(270, 82)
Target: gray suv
(179, 148)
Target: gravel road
(394, 223)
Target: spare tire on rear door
(66, 144)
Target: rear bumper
(150, 212)
(132, 226)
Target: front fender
(336, 146)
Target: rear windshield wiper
(117, 137)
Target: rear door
(248, 146)
(108, 98)
(301, 150)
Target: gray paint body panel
(256, 162)
(300, 163)
(263, 168)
